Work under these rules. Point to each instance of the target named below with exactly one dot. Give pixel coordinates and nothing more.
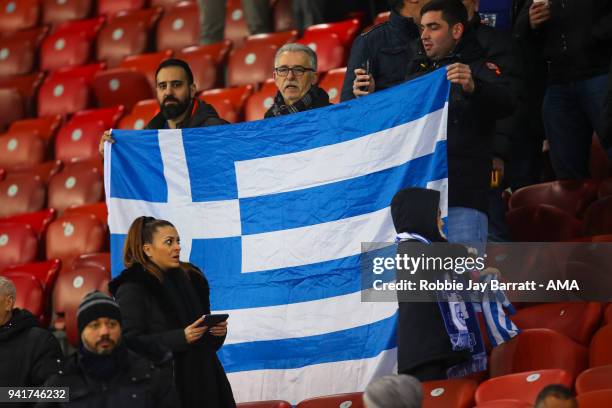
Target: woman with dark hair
(163, 301)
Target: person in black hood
(295, 75)
(28, 353)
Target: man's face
(293, 87)
(174, 93)
(102, 335)
(6, 306)
(471, 6)
(437, 37)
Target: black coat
(153, 321)
(28, 353)
(138, 384)
(202, 115)
(320, 99)
(471, 121)
(388, 47)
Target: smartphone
(214, 319)
(366, 66)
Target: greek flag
(274, 212)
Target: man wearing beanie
(103, 372)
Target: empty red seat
(521, 386)
(74, 234)
(277, 39)
(56, 12)
(79, 183)
(600, 353)
(44, 128)
(353, 400)
(19, 14)
(264, 404)
(141, 114)
(72, 285)
(70, 45)
(608, 314)
(346, 30)
(17, 56)
(538, 349)
(147, 64)
(30, 293)
(21, 194)
(577, 320)
(206, 62)
(506, 403)
(595, 399)
(98, 209)
(251, 64)
(179, 27)
(457, 393)
(329, 48)
(39, 220)
(126, 34)
(111, 7)
(166, 4)
(28, 86)
(236, 96)
(12, 106)
(67, 91)
(18, 244)
(79, 138)
(542, 223)
(101, 260)
(260, 101)
(44, 171)
(21, 150)
(572, 196)
(332, 83)
(598, 217)
(236, 28)
(594, 379)
(121, 86)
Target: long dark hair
(141, 232)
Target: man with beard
(179, 107)
(295, 75)
(104, 373)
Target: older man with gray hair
(28, 353)
(394, 391)
(295, 75)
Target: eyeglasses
(297, 71)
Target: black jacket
(319, 99)
(388, 47)
(153, 322)
(138, 384)
(576, 42)
(471, 122)
(28, 353)
(202, 115)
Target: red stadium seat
(111, 7)
(264, 404)
(56, 12)
(19, 14)
(598, 217)
(67, 90)
(608, 313)
(600, 353)
(34, 36)
(506, 403)
(382, 17)
(27, 85)
(521, 386)
(260, 101)
(140, 115)
(277, 39)
(457, 393)
(98, 209)
(21, 150)
(21, 194)
(330, 51)
(179, 27)
(18, 244)
(44, 171)
(30, 293)
(594, 379)
(74, 234)
(538, 349)
(79, 138)
(236, 28)
(283, 16)
(17, 56)
(39, 220)
(72, 285)
(236, 97)
(12, 106)
(147, 64)
(207, 63)
(572, 196)
(45, 127)
(166, 4)
(332, 83)
(2, 174)
(101, 260)
(577, 320)
(353, 400)
(127, 34)
(346, 30)
(251, 64)
(595, 399)
(121, 86)
(78, 184)
(218, 51)
(542, 223)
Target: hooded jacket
(202, 114)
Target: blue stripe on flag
(358, 343)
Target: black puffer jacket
(576, 42)
(202, 114)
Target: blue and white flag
(274, 212)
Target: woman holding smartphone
(163, 302)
